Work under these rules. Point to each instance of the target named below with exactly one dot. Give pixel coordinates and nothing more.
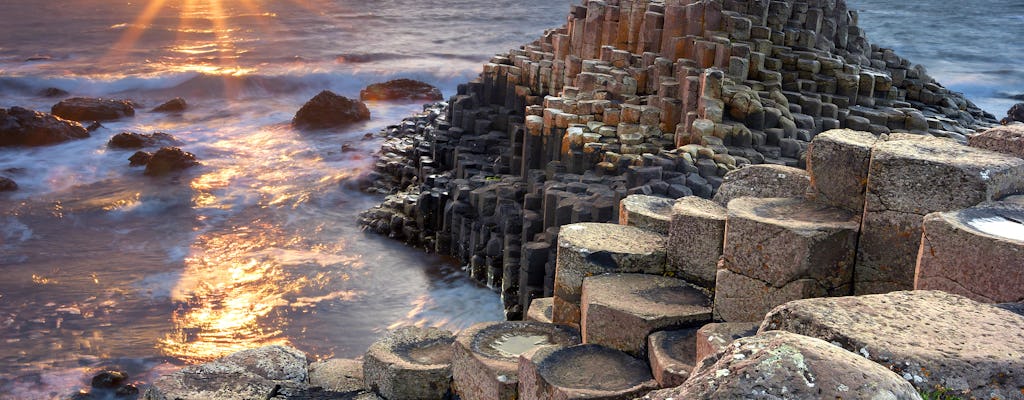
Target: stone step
(410, 363)
(672, 355)
(485, 356)
(621, 310)
(837, 161)
(586, 371)
(695, 238)
(763, 180)
(778, 250)
(976, 252)
(589, 249)
(646, 212)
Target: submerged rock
(1014, 114)
(93, 109)
(53, 92)
(109, 379)
(132, 140)
(7, 185)
(401, 89)
(328, 109)
(140, 158)
(175, 105)
(24, 127)
(164, 161)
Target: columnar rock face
(485, 356)
(656, 98)
(584, 371)
(621, 310)
(672, 355)
(410, 363)
(593, 249)
(541, 310)
(695, 240)
(646, 212)
(777, 249)
(976, 252)
(783, 365)
(972, 349)
(838, 162)
(910, 177)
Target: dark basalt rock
(327, 110)
(93, 109)
(7, 185)
(401, 89)
(1014, 114)
(175, 105)
(140, 158)
(94, 127)
(53, 92)
(24, 127)
(166, 160)
(109, 379)
(132, 140)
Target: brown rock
(132, 140)
(712, 339)
(930, 338)
(540, 310)
(337, 375)
(410, 363)
(695, 240)
(401, 89)
(92, 109)
(24, 127)
(646, 212)
(782, 365)
(838, 164)
(1014, 114)
(7, 185)
(584, 371)
(169, 159)
(1007, 139)
(672, 355)
(763, 180)
(328, 110)
(977, 252)
(175, 105)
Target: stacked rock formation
(658, 98)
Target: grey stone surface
(1008, 139)
(621, 310)
(763, 180)
(589, 249)
(337, 375)
(838, 162)
(783, 365)
(540, 310)
(672, 355)
(249, 374)
(585, 371)
(646, 212)
(695, 239)
(410, 363)
(931, 338)
(713, 338)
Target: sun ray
(137, 28)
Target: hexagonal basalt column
(673, 355)
(485, 356)
(913, 177)
(838, 162)
(977, 253)
(695, 240)
(713, 338)
(583, 372)
(592, 249)
(410, 363)
(778, 250)
(621, 310)
(540, 310)
(646, 212)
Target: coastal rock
(93, 109)
(132, 140)
(401, 89)
(646, 212)
(585, 371)
(540, 310)
(1014, 114)
(166, 160)
(410, 363)
(108, 379)
(1007, 139)
(695, 239)
(175, 105)
(931, 338)
(249, 374)
(714, 338)
(337, 375)
(327, 110)
(140, 158)
(53, 92)
(672, 355)
(763, 181)
(783, 365)
(24, 127)
(838, 162)
(7, 185)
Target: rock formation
(328, 110)
(24, 127)
(92, 109)
(401, 89)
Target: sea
(104, 268)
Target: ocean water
(105, 268)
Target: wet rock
(93, 127)
(1016, 308)
(24, 127)
(249, 374)
(401, 89)
(132, 140)
(7, 185)
(327, 110)
(646, 212)
(621, 310)
(975, 252)
(167, 160)
(93, 109)
(763, 181)
(783, 365)
(337, 375)
(672, 355)
(140, 158)
(931, 338)
(1014, 114)
(410, 363)
(175, 105)
(585, 371)
(485, 356)
(1003, 139)
(53, 92)
(109, 380)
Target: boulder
(838, 161)
(132, 140)
(140, 158)
(337, 375)
(646, 212)
(588, 249)
(7, 185)
(763, 180)
(931, 338)
(175, 105)
(24, 127)
(328, 110)
(621, 310)
(167, 160)
(976, 252)
(1007, 139)
(248, 374)
(585, 371)
(1014, 114)
(672, 355)
(714, 338)
(485, 356)
(410, 363)
(695, 240)
(93, 109)
(401, 89)
(783, 365)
